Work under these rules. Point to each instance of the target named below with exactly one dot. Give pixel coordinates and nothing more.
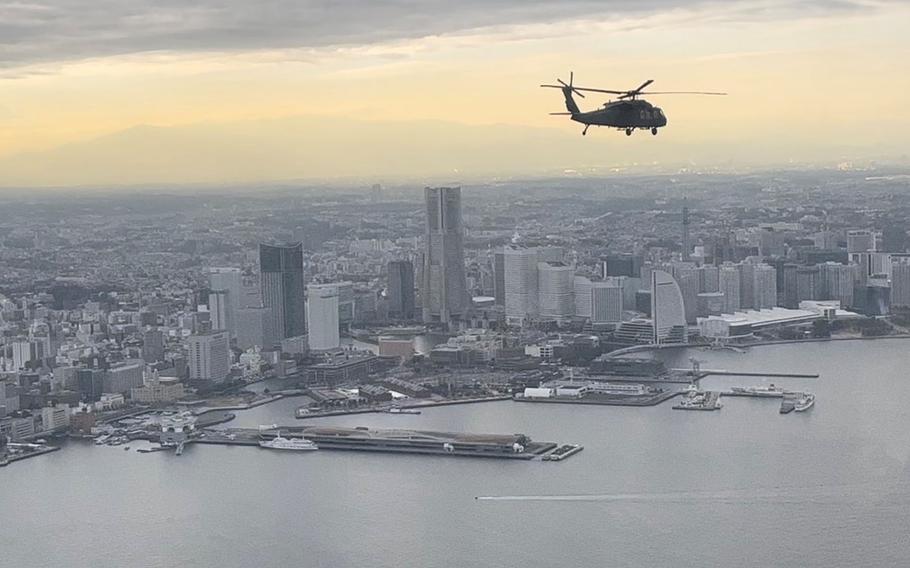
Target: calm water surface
(654, 487)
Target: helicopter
(627, 113)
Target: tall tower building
(281, 276)
(499, 277)
(209, 356)
(584, 301)
(764, 286)
(222, 317)
(521, 295)
(401, 289)
(443, 290)
(556, 290)
(729, 284)
(685, 223)
(322, 308)
(668, 314)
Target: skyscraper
(401, 289)
(443, 290)
(764, 288)
(281, 275)
(322, 308)
(729, 285)
(499, 277)
(556, 290)
(668, 314)
(607, 301)
(520, 284)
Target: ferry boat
(804, 402)
(398, 410)
(769, 391)
(294, 444)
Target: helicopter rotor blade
(643, 85)
(680, 93)
(608, 91)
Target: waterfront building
(157, 389)
(607, 301)
(255, 328)
(764, 286)
(401, 290)
(282, 284)
(209, 356)
(555, 288)
(809, 283)
(838, 282)
(746, 284)
(322, 311)
(90, 384)
(443, 291)
(668, 312)
(521, 284)
(729, 285)
(687, 277)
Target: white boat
(397, 410)
(804, 402)
(770, 391)
(294, 444)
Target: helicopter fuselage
(635, 113)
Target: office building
(401, 294)
(282, 283)
(221, 316)
(607, 301)
(209, 356)
(583, 297)
(864, 240)
(322, 311)
(521, 296)
(556, 289)
(228, 282)
(443, 291)
(809, 283)
(152, 345)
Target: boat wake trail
(776, 495)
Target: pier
(722, 373)
(502, 446)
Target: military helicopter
(627, 113)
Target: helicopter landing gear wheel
(585, 131)
(654, 131)
(628, 132)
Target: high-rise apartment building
(282, 283)
(728, 278)
(443, 290)
(764, 286)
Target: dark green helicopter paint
(626, 113)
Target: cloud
(51, 31)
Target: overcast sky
(73, 72)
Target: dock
(604, 400)
(722, 373)
(706, 400)
(562, 452)
(501, 446)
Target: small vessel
(294, 444)
(804, 402)
(399, 410)
(126, 448)
(760, 391)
